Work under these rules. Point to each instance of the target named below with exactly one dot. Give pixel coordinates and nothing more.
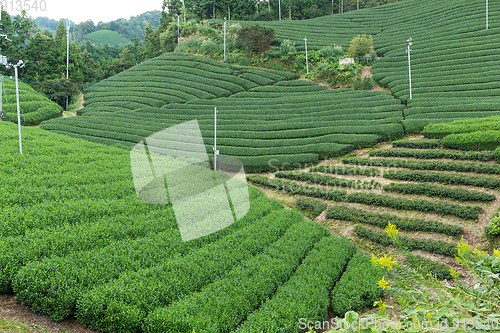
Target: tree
(360, 46)
(124, 62)
(258, 38)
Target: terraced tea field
(433, 201)
(76, 241)
(34, 107)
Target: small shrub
(258, 38)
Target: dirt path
(16, 318)
(67, 114)
(367, 72)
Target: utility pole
(279, 8)
(357, 6)
(20, 64)
(68, 23)
(307, 63)
(216, 152)
(486, 14)
(224, 39)
(409, 43)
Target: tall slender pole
(307, 63)
(178, 31)
(279, 8)
(1, 97)
(18, 113)
(486, 14)
(409, 66)
(215, 141)
(224, 39)
(67, 59)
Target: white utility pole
(216, 152)
(178, 33)
(224, 39)
(20, 64)
(279, 8)
(307, 63)
(486, 14)
(409, 43)
(68, 23)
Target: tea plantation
(34, 106)
(75, 241)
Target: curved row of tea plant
(348, 213)
(439, 191)
(436, 154)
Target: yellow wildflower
(463, 247)
(384, 284)
(381, 305)
(458, 259)
(391, 230)
(479, 252)
(454, 273)
(496, 252)
(374, 261)
(386, 262)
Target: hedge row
(481, 140)
(457, 166)
(443, 177)
(440, 191)
(439, 270)
(347, 213)
(137, 292)
(435, 154)
(417, 144)
(431, 246)
(319, 179)
(357, 288)
(346, 170)
(438, 207)
(306, 294)
(439, 131)
(316, 207)
(219, 307)
(294, 188)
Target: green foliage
(431, 246)
(346, 170)
(481, 140)
(435, 153)
(347, 213)
(438, 207)
(440, 191)
(360, 46)
(357, 288)
(258, 38)
(457, 166)
(112, 38)
(493, 228)
(284, 310)
(444, 178)
(319, 179)
(440, 271)
(417, 144)
(294, 188)
(316, 207)
(221, 307)
(442, 130)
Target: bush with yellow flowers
(429, 304)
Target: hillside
(454, 58)
(252, 108)
(86, 246)
(102, 37)
(34, 106)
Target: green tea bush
(316, 207)
(440, 271)
(347, 213)
(440, 191)
(221, 307)
(319, 179)
(346, 170)
(417, 144)
(431, 246)
(435, 153)
(357, 288)
(287, 306)
(443, 177)
(426, 206)
(481, 140)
